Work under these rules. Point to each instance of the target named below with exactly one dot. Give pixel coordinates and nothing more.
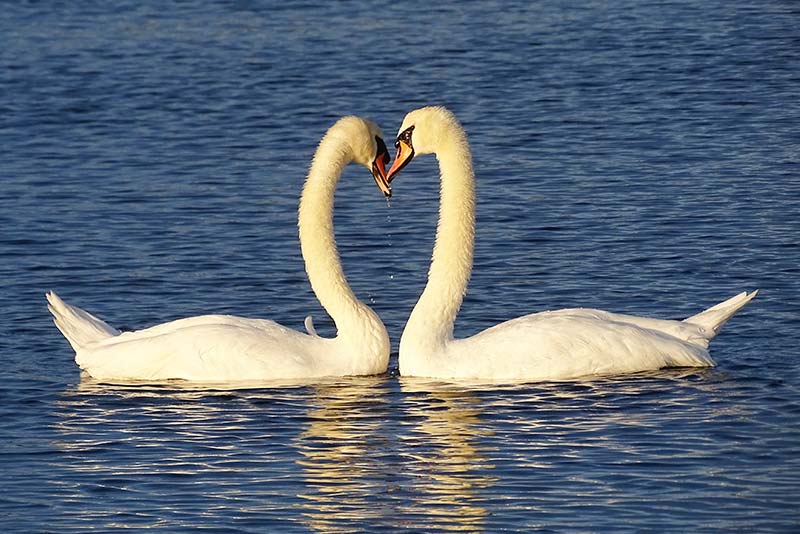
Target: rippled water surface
(636, 158)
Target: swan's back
(205, 348)
(573, 343)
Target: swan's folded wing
(573, 343)
(689, 332)
(207, 348)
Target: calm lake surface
(633, 157)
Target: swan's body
(225, 348)
(553, 345)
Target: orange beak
(405, 153)
(379, 173)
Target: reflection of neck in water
(450, 467)
(344, 456)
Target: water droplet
(389, 228)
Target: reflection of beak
(379, 173)
(405, 153)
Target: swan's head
(367, 147)
(424, 131)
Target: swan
(551, 345)
(213, 348)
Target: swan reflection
(365, 454)
(446, 461)
(346, 456)
(169, 416)
(190, 447)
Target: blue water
(635, 157)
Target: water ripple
(635, 157)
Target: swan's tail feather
(713, 318)
(309, 323)
(78, 326)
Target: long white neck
(356, 323)
(430, 325)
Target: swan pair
(555, 345)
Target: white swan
(226, 348)
(551, 345)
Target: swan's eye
(405, 137)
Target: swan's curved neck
(354, 320)
(430, 325)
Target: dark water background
(641, 158)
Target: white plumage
(226, 348)
(553, 345)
